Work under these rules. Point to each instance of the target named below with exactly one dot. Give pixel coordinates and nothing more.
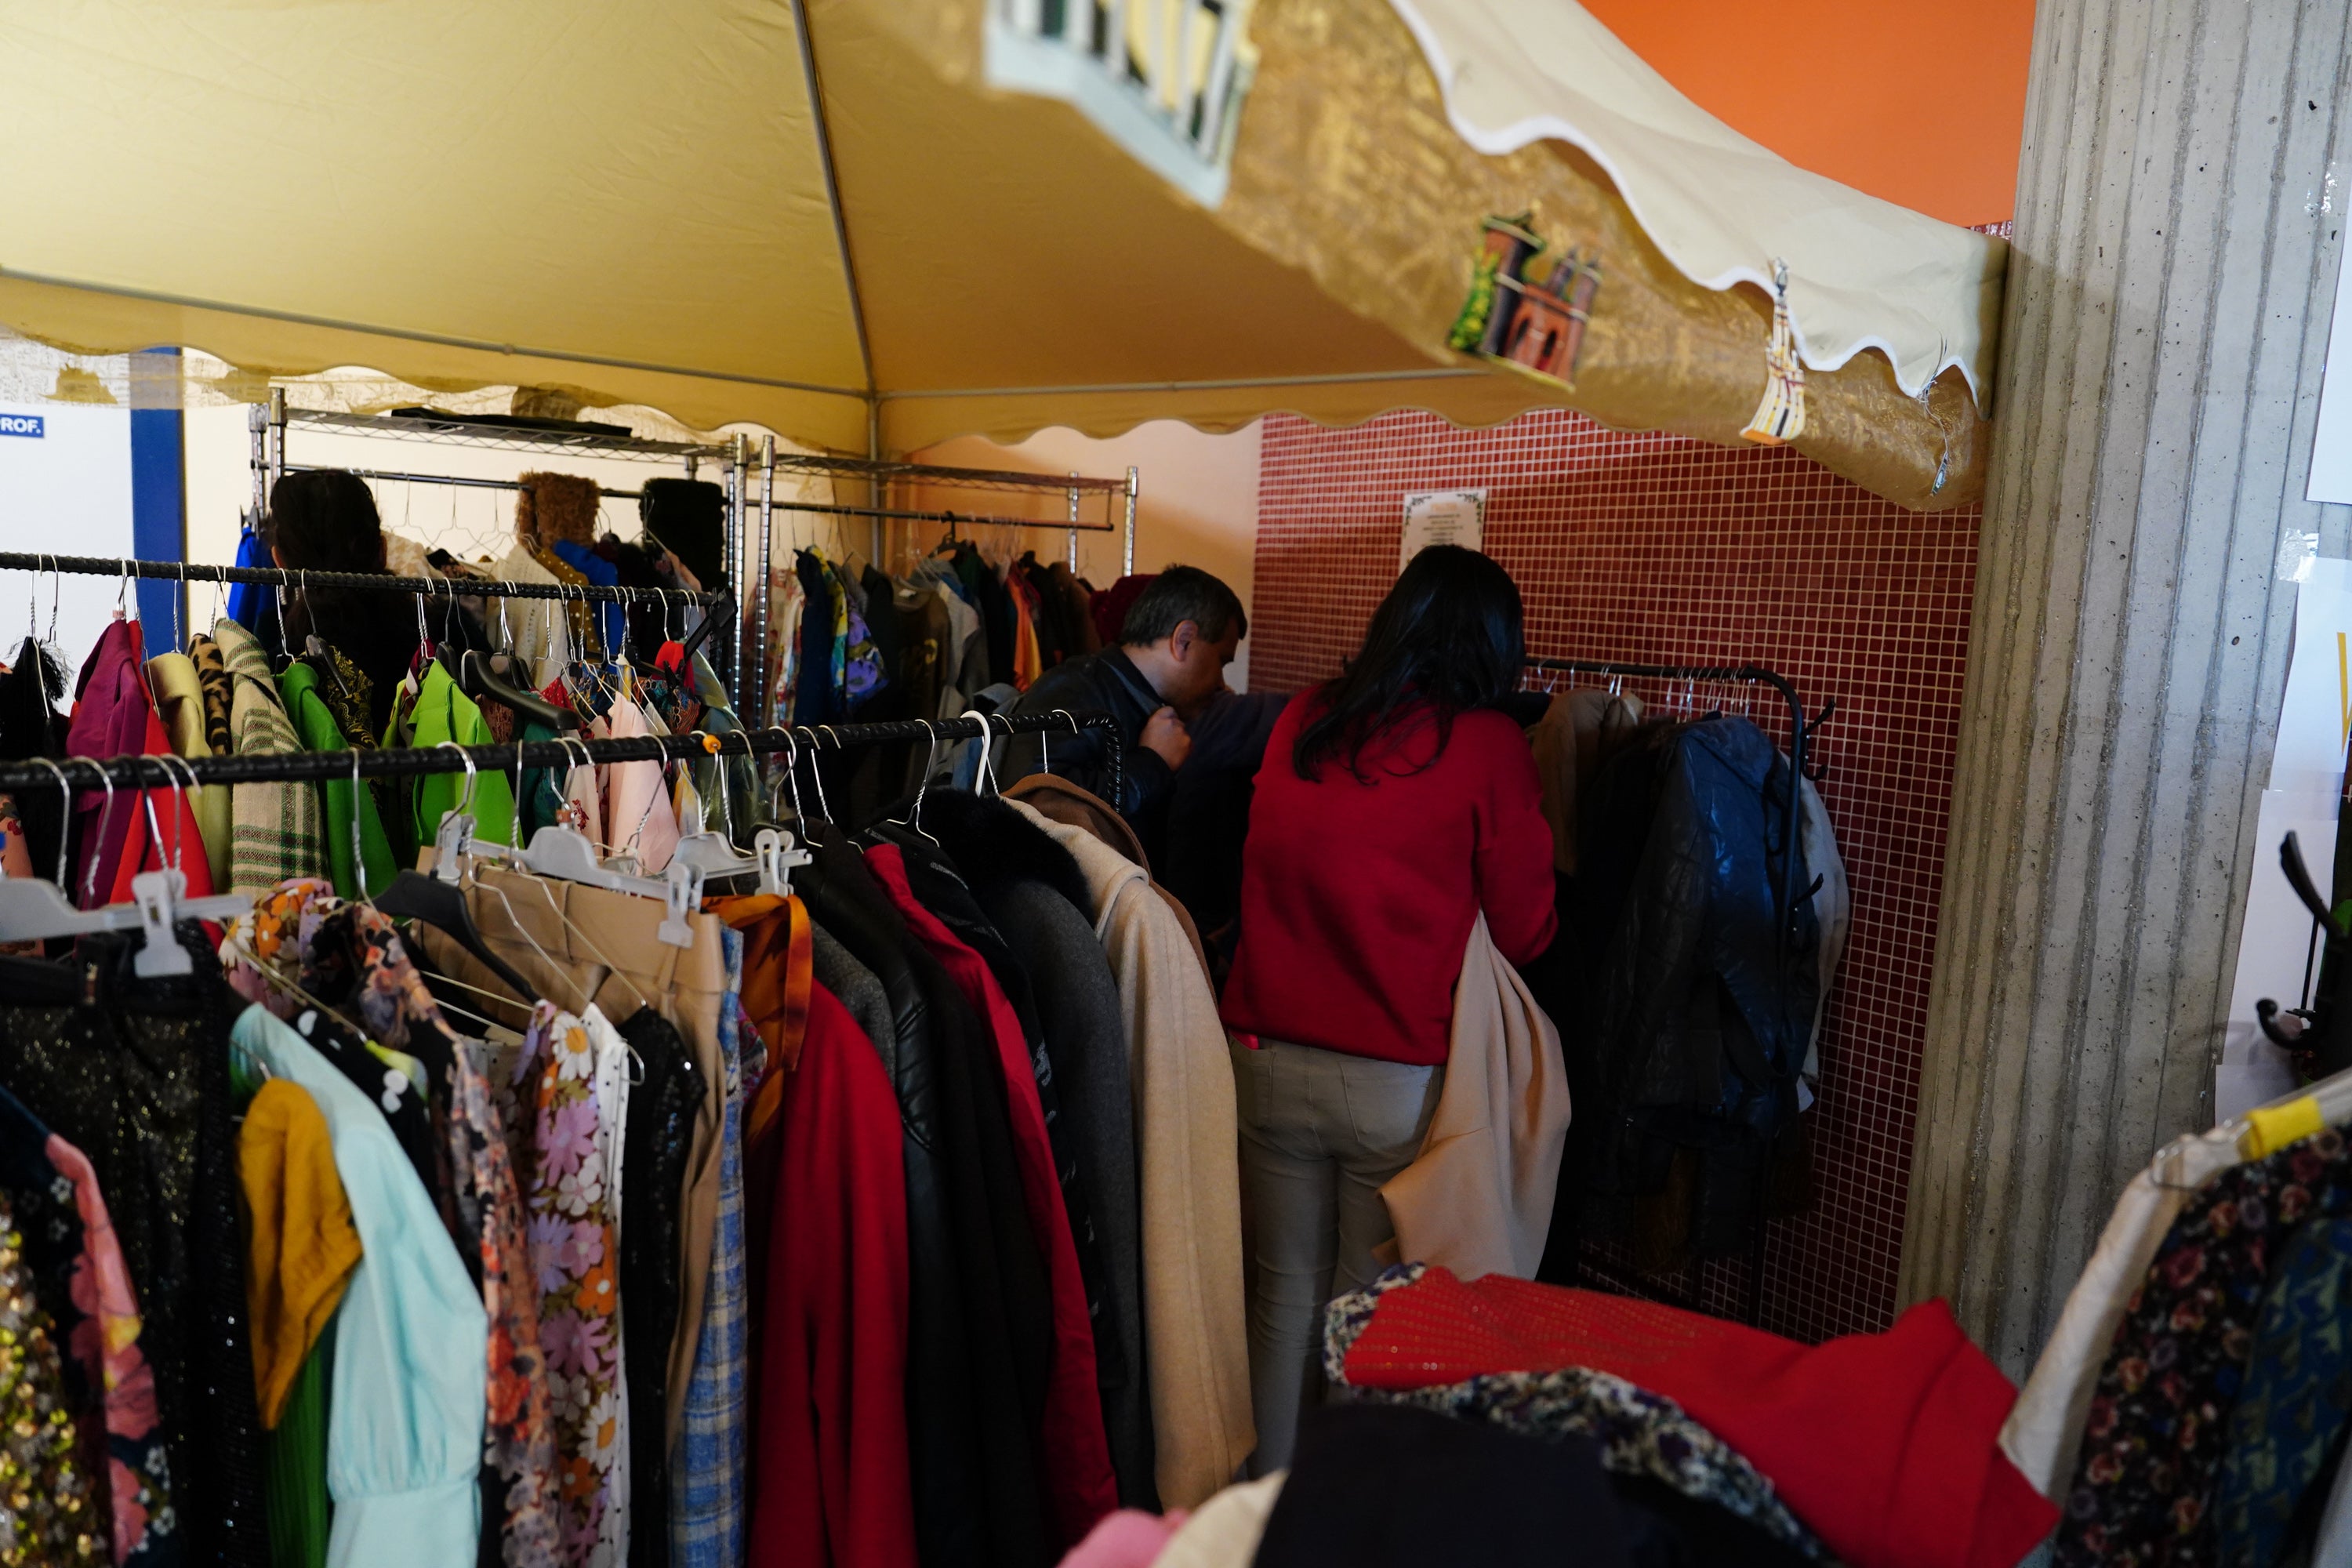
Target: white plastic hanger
(35, 911)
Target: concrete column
(2178, 233)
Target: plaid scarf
(279, 829)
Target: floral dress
(2144, 1490)
(393, 1002)
(568, 1101)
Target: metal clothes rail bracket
(294, 577)
(154, 772)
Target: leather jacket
(1700, 1009)
(1106, 682)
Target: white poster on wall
(1442, 517)
(2276, 949)
(2331, 448)
(65, 486)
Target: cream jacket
(1478, 1198)
(1195, 1326)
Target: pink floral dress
(569, 1099)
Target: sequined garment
(48, 1517)
(1639, 1433)
(133, 1072)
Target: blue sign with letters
(21, 424)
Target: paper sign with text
(1442, 517)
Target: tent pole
(878, 493)
(1131, 487)
(767, 570)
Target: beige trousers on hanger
(578, 927)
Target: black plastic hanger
(485, 676)
(441, 905)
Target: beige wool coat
(1194, 1318)
(1478, 1198)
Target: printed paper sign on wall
(1442, 517)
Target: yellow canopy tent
(638, 204)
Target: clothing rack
(878, 474)
(295, 578)
(1757, 674)
(153, 773)
(1799, 731)
(269, 425)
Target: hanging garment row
(968, 628)
(1704, 906)
(643, 1171)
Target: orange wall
(1921, 104)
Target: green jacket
(442, 712)
(298, 684)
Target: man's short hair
(1181, 593)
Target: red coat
(1887, 1445)
(1357, 897)
(113, 716)
(1073, 1446)
(830, 1482)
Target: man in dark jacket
(1168, 665)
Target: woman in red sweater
(1394, 804)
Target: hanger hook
(931, 757)
(465, 806)
(65, 817)
(105, 812)
(816, 773)
(359, 859)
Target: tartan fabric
(706, 1526)
(278, 831)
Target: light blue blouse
(409, 1399)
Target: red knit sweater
(1357, 897)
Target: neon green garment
(315, 724)
(442, 712)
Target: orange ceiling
(1918, 104)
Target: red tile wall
(1653, 549)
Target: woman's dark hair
(324, 520)
(1447, 640)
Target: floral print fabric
(519, 1445)
(567, 1102)
(2297, 1398)
(106, 1339)
(76, 1268)
(1638, 1433)
(2144, 1490)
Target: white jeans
(1321, 1131)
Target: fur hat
(556, 507)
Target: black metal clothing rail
(295, 578)
(1756, 674)
(153, 773)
